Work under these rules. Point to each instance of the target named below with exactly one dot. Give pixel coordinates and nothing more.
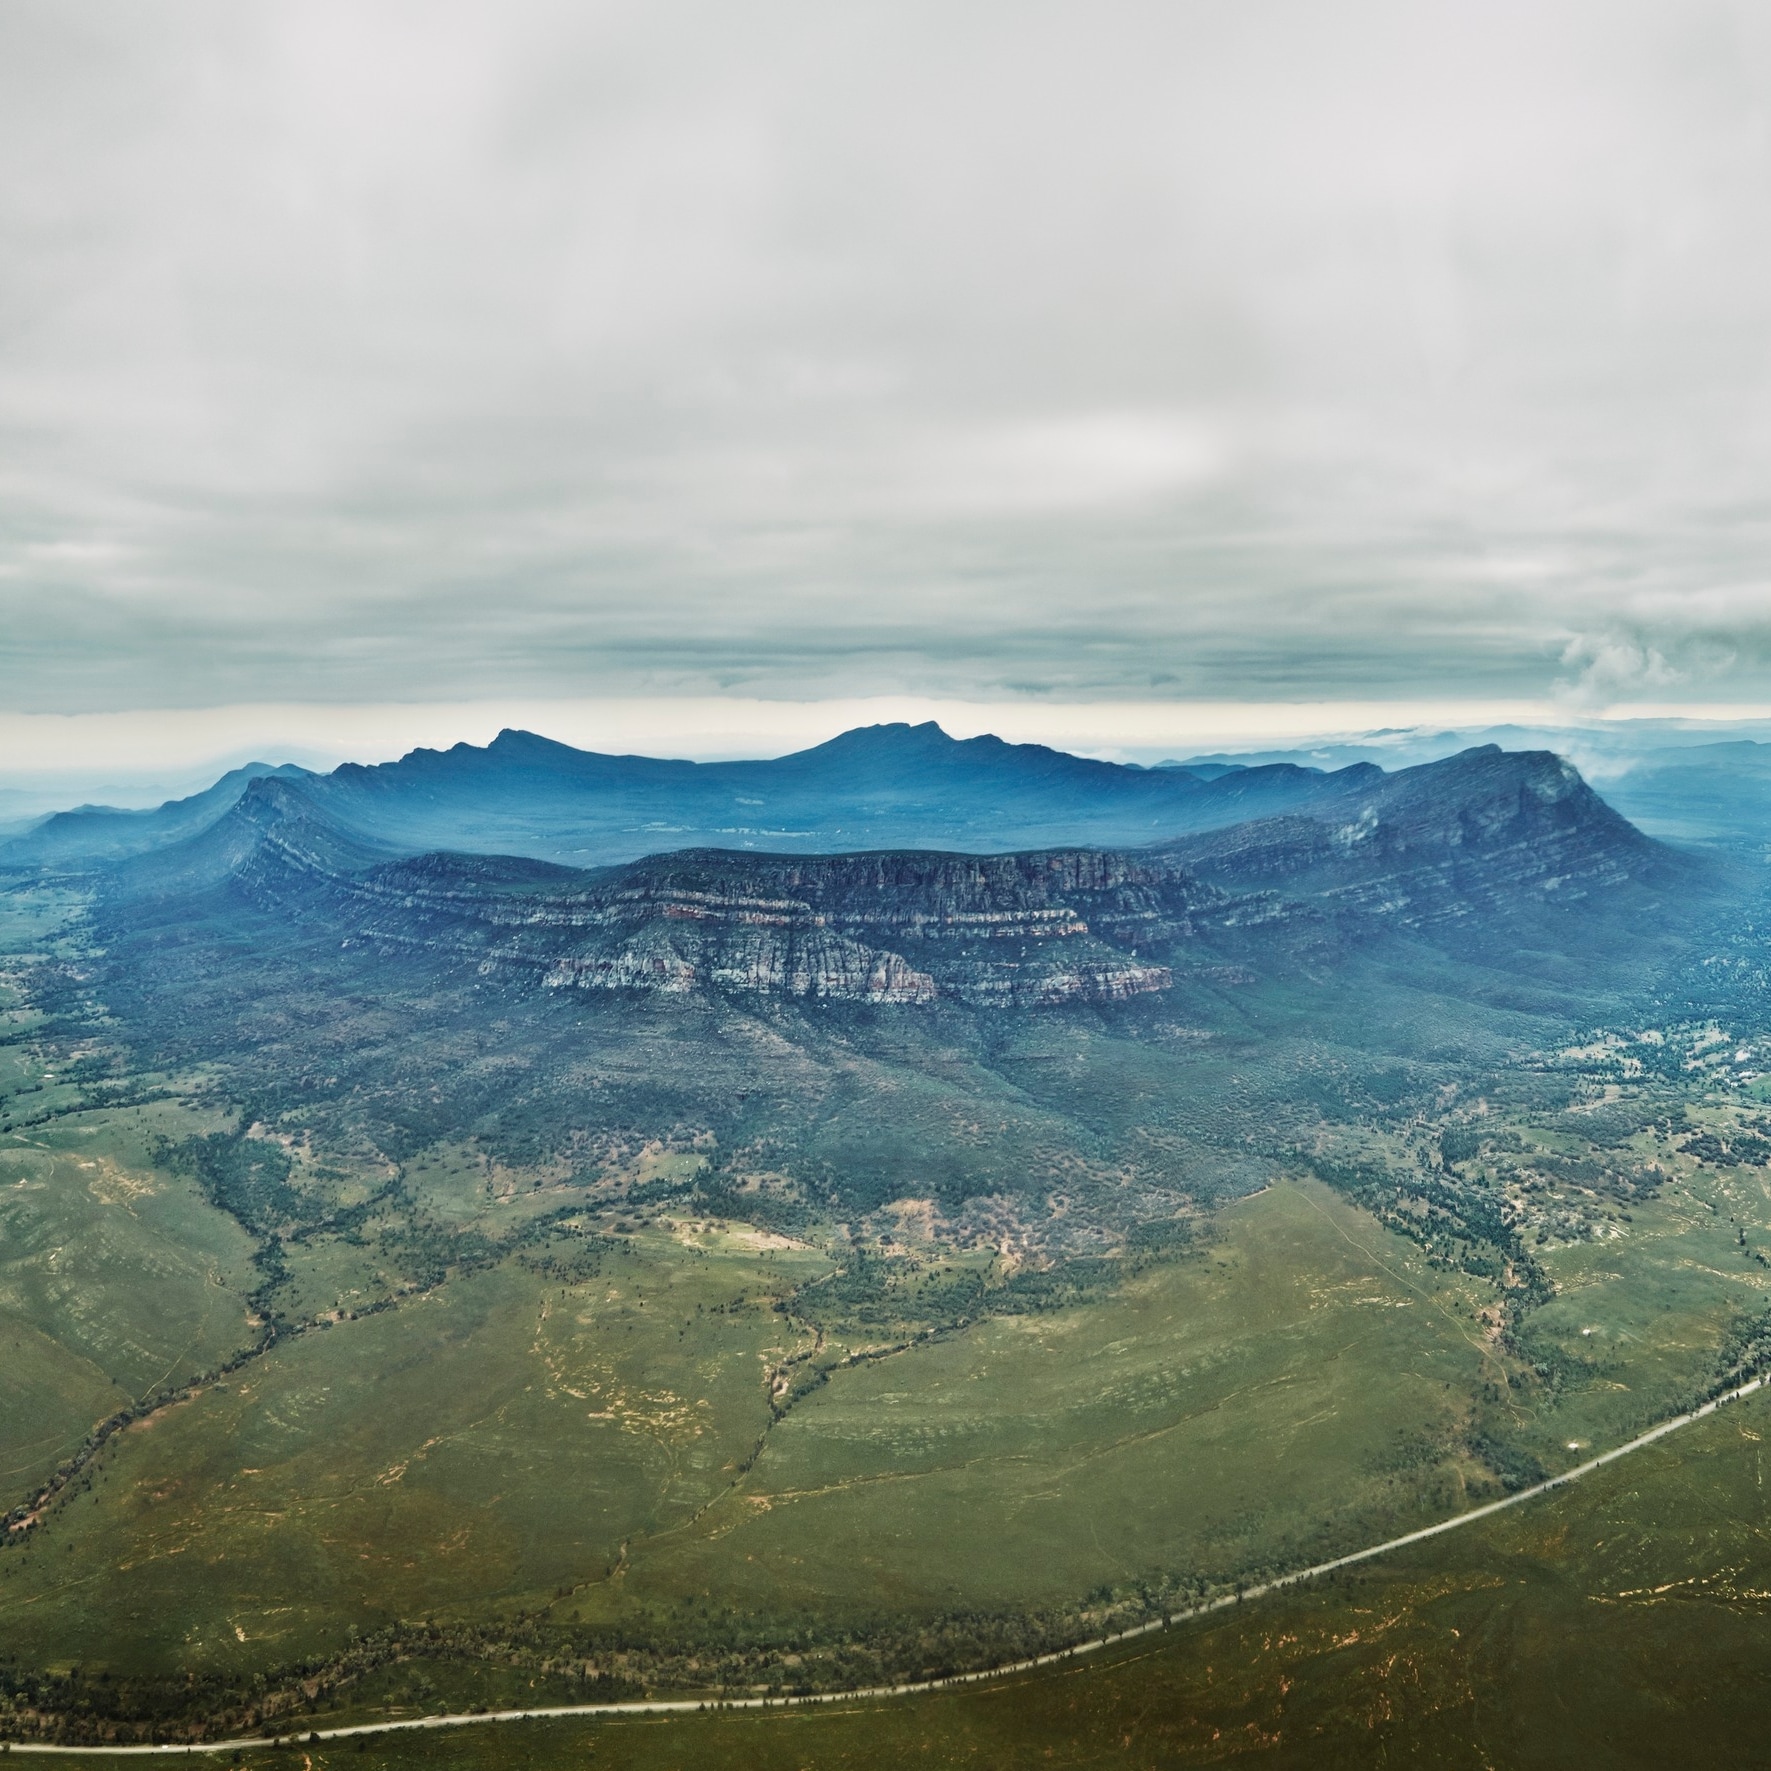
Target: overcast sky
(369, 352)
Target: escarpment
(907, 929)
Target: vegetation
(1623, 1618)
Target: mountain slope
(905, 928)
(1493, 831)
(271, 843)
(105, 834)
(1121, 1028)
(875, 787)
(1708, 793)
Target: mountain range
(1487, 836)
(892, 786)
(705, 1197)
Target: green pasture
(510, 1440)
(1639, 1317)
(583, 1431)
(484, 1443)
(1301, 1385)
(1618, 1623)
(116, 1281)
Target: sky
(685, 366)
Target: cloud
(447, 352)
(1608, 670)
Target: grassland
(1106, 1446)
(606, 1449)
(116, 1282)
(1617, 1623)
(620, 1453)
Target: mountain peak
(1500, 827)
(888, 738)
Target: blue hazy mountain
(1675, 783)
(1513, 820)
(877, 787)
(101, 834)
(1717, 794)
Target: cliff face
(899, 928)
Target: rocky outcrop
(769, 963)
(1000, 930)
(890, 929)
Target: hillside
(1481, 838)
(652, 995)
(101, 835)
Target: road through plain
(669, 1706)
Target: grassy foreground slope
(596, 1449)
(602, 1450)
(1617, 1623)
(1305, 1379)
(116, 1282)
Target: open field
(117, 1280)
(870, 1347)
(115, 1283)
(643, 1446)
(1622, 1618)
(1212, 1416)
(490, 1439)
(509, 1438)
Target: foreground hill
(1588, 1628)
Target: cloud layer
(376, 351)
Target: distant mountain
(876, 787)
(101, 835)
(1671, 781)
(892, 786)
(1122, 1026)
(271, 833)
